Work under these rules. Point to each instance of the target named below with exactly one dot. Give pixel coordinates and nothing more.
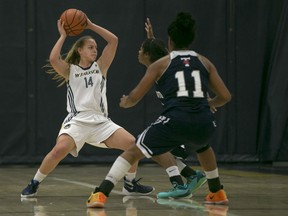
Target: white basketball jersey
(86, 93)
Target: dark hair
(155, 48)
(182, 30)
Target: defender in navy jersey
(87, 120)
(150, 51)
(182, 78)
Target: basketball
(75, 21)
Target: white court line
(84, 184)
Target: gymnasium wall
(245, 39)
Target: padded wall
(245, 39)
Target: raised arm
(59, 65)
(149, 29)
(109, 51)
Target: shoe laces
(176, 186)
(136, 182)
(33, 185)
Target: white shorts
(93, 134)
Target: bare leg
(121, 139)
(62, 148)
(207, 159)
(165, 160)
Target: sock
(180, 164)
(174, 175)
(39, 176)
(116, 172)
(105, 187)
(185, 170)
(213, 180)
(130, 176)
(119, 168)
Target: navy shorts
(168, 133)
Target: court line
(84, 184)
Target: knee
(131, 140)
(133, 153)
(60, 151)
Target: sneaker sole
(127, 193)
(95, 205)
(177, 197)
(28, 196)
(223, 202)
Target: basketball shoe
(96, 200)
(135, 188)
(178, 191)
(31, 189)
(219, 198)
(194, 182)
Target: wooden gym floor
(251, 191)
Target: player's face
(143, 58)
(89, 50)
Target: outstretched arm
(153, 72)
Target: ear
(79, 50)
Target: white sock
(119, 168)
(39, 176)
(172, 171)
(212, 174)
(180, 164)
(130, 176)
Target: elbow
(227, 97)
(53, 59)
(115, 40)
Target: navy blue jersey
(184, 83)
(186, 119)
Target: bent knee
(131, 140)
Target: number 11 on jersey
(182, 90)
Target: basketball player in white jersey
(87, 120)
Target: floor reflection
(131, 203)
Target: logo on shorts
(67, 126)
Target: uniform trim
(70, 97)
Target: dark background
(247, 40)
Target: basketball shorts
(93, 134)
(166, 134)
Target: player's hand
(212, 108)
(123, 100)
(89, 23)
(60, 25)
(149, 29)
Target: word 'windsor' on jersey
(86, 90)
(184, 83)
